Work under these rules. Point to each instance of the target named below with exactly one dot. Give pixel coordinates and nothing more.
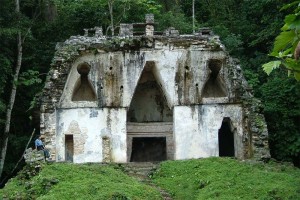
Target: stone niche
(141, 97)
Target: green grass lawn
(73, 181)
(225, 178)
(211, 178)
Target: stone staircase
(140, 168)
(141, 171)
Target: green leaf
(295, 24)
(291, 64)
(289, 5)
(283, 40)
(284, 54)
(289, 19)
(287, 53)
(297, 76)
(270, 66)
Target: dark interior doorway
(147, 149)
(69, 144)
(226, 139)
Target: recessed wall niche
(215, 86)
(83, 89)
(148, 102)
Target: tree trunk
(4, 138)
(110, 7)
(193, 16)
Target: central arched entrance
(149, 121)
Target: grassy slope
(223, 178)
(212, 178)
(71, 181)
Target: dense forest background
(247, 28)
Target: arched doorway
(226, 139)
(69, 148)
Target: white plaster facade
(198, 127)
(181, 70)
(88, 127)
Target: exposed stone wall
(254, 124)
(33, 155)
(257, 137)
(106, 149)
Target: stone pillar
(171, 31)
(149, 25)
(126, 30)
(149, 18)
(106, 152)
(86, 32)
(98, 32)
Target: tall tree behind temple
(15, 24)
(5, 135)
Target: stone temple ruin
(149, 96)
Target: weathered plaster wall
(180, 65)
(181, 74)
(88, 127)
(196, 130)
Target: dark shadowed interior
(69, 144)
(226, 139)
(147, 149)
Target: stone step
(141, 164)
(142, 168)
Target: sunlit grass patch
(226, 178)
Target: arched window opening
(215, 86)
(83, 90)
(226, 139)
